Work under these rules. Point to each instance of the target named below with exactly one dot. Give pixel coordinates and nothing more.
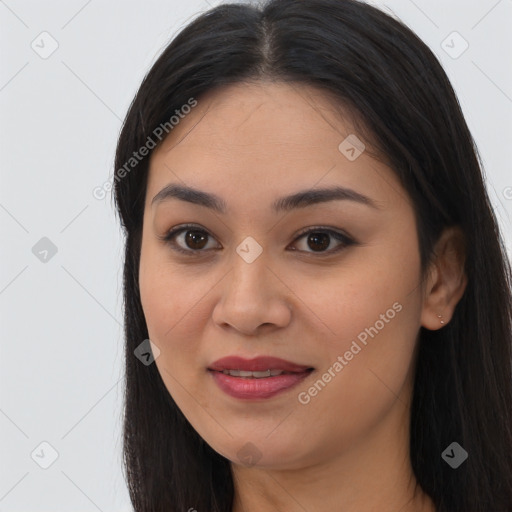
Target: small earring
(440, 316)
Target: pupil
(192, 237)
(321, 239)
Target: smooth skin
(347, 449)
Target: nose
(253, 299)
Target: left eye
(319, 239)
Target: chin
(259, 452)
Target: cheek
(373, 306)
(175, 302)
(171, 305)
(353, 297)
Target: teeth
(253, 375)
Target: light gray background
(61, 352)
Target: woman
(312, 253)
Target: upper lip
(258, 364)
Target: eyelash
(171, 235)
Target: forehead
(277, 113)
(250, 138)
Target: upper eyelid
(178, 230)
(326, 229)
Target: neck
(313, 490)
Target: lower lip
(266, 387)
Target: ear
(446, 279)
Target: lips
(249, 379)
(258, 364)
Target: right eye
(193, 241)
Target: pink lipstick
(261, 377)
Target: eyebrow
(301, 199)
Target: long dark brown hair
(377, 67)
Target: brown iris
(196, 239)
(319, 239)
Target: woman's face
(252, 284)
